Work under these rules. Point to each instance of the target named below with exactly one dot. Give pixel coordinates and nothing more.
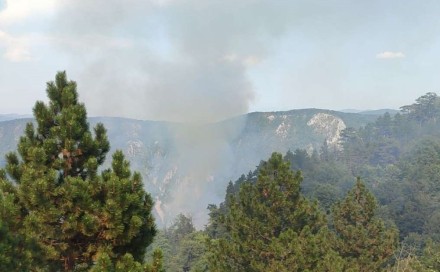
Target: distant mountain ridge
(180, 160)
(372, 112)
(13, 116)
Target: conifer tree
(16, 253)
(272, 227)
(73, 213)
(363, 240)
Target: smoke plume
(180, 61)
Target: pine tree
(363, 240)
(182, 226)
(272, 227)
(16, 252)
(73, 213)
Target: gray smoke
(181, 61)
(189, 61)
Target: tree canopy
(272, 227)
(363, 241)
(61, 205)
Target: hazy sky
(205, 60)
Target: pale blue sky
(198, 60)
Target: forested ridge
(369, 203)
(378, 194)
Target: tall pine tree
(272, 227)
(73, 213)
(363, 240)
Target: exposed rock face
(134, 147)
(283, 130)
(168, 155)
(328, 125)
(271, 117)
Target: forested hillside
(353, 198)
(219, 136)
(396, 158)
(178, 159)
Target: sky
(204, 61)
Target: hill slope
(185, 167)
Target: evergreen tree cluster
(258, 226)
(59, 213)
(184, 248)
(269, 225)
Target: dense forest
(370, 203)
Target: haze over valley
(219, 136)
(177, 160)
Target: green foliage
(183, 247)
(362, 239)
(192, 252)
(397, 156)
(60, 213)
(410, 259)
(410, 190)
(431, 256)
(74, 215)
(409, 264)
(17, 250)
(426, 108)
(127, 263)
(181, 227)
(271, 226)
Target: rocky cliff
(186, 167)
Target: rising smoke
(183, 61)
(180, 61)
(194, 61)
(190, 61)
